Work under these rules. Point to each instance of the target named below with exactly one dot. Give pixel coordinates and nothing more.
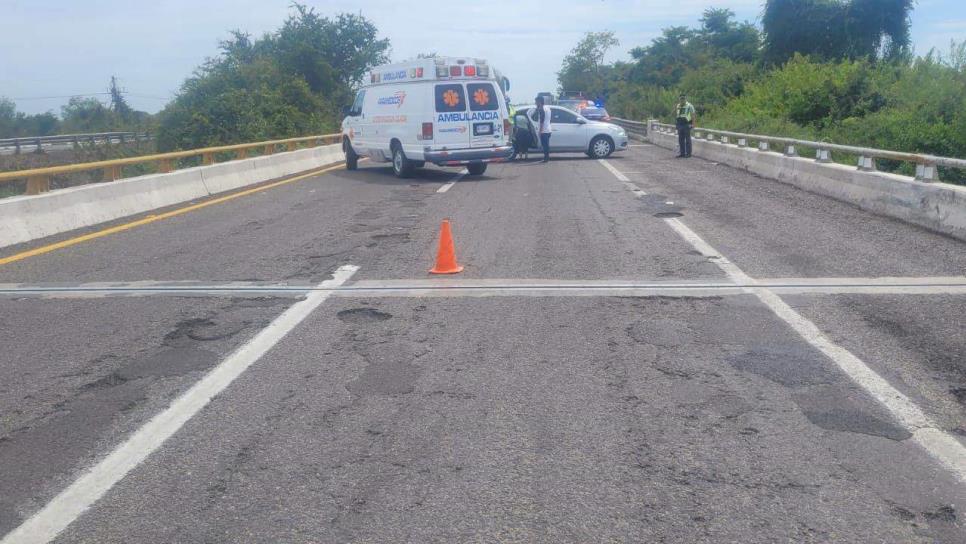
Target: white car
(571, 132)
(449, 111)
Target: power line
(138, 95)
(52, 97)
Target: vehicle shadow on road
(383, 175)
(539, 161)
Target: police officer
(684, 119)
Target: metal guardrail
(925, 164)
(630, 126)
(38, 179)
(37, 142)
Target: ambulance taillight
(427, 131)
(455, 71)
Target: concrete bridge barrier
(937, 206)
(26, 218)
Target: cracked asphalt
(494, 419)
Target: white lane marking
(734, 273)
(447, 186)
(941, 445)
(620, 175)
(66, 507)
(944, 447)
(617, 173)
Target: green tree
(288, 83)
(584, 69)
(835, 29)
(725, 38)
(669, 56)
(8, 117)
(87, 115)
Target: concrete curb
(937, 206)
(26, 218)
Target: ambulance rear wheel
(351, 159)
(401, 166)
(476, 169)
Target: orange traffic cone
(446, 257)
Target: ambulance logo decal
(481, 97)
(451, 98)
(396, 99)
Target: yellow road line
(152, 218)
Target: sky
(53, 49)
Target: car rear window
(482, 97)
(450, 97)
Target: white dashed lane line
(447, 186)
(940, 444)
(66, 507)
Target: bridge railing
(634, 127)
(38, 142)
(926, 165)
(38, 179)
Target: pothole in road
(202, 330)
(399, 238)
(668, 215)
(362, 316)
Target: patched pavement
(485, 415)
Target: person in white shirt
(543, 119)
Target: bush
(288, 83)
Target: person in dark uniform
(684, 119)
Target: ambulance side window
(357, 105)
(450, 97)
(482, 97)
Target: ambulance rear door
(452, 120)
(486, 120)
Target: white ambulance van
(449, 111)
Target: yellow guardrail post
(166, 166)
(207, 159)
(241, 154)
(112, 172)
(291, 146)
(269, 149)
(38, 184)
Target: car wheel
(601, 147)
(476, 169)
(351, 159)
(401, 166)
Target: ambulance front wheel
(476, 168)
(351, 159)
(401, 166)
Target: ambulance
(449, 111)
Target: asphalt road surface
(641, 349)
